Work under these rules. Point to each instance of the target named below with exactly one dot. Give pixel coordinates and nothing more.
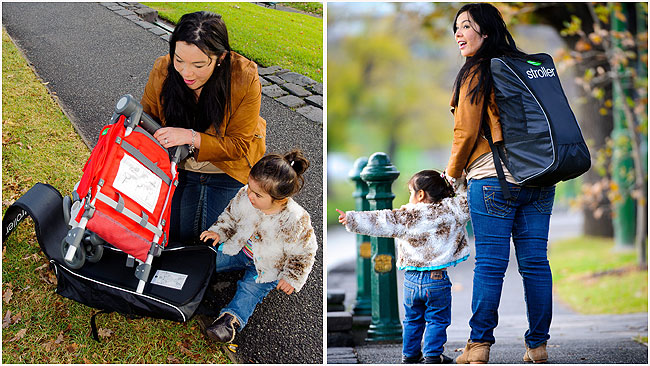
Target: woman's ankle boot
(475, 352)
(537, 354)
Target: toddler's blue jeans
(525, 217)
(198, 201)
(427, 305)
(249, 293)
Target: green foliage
(269, 37)
(40, 145)
(383, 93)
(590, 277)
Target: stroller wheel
(94, 253)
(67, 206)
(79, 256)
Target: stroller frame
(79, 241)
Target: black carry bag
(542, 142)
(180, 274)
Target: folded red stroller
(124, 195)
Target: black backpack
(542, 142)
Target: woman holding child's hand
(481, 34)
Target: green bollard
(385, 326)
(624, 220)
(363, 305)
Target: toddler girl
(267, 234)
(431, 236)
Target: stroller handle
(128, 106)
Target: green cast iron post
(623, 166)
(380, 174)
(363, 304)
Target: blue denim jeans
(249, 293)
(525, 217)
(198, 201)
(427, 305)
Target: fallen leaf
(186, 351)
(21, 333)
(72, 348)
(172, 359)
(41, 267)
(6, 320)
(49, 346)
(59, 338)
(6, 296)
(104, 333)
(16, 318)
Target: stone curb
(295, 91)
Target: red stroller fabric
(129, 180)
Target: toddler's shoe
(223, 329)
(537, 354)
(412, 359)
(475, 352)
(438, 359)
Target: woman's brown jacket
(469, 142)
(241, 140)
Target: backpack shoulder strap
(496, 153)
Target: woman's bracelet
(192, 145)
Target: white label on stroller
(139, 183)
(169, 279)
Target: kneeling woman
(208, 97)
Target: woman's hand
(285, 286)
(207, 235)
(342, 217)
(174, 136)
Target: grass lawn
(39, 144)
(593, 279)
(269, 37)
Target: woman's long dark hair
(498, 43)
(208, 32)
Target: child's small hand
(342, 217)
(207, 235)
(285, 286)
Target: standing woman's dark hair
(498, 42)
(208, 32)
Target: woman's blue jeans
(249, 293)
(198, 201)
(525, 217)
(427, 311)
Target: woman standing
(481, 34)
(207, 97)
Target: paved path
(90, 56)
(574, 338)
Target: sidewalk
(89, 56)
(574, 338)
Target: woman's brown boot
(475, 352)
(537, 354)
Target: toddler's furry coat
(284, 244)
(429, 235)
